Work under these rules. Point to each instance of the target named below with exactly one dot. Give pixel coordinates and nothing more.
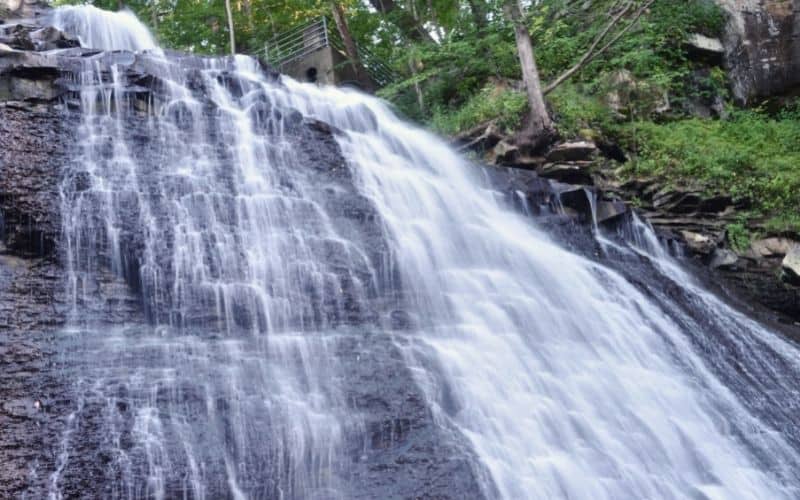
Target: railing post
(325, 29)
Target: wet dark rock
(50, 38)
(403, 450)
(33, 149)
(568, 173)
(400, 320)
(607, 211)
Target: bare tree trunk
(154, 14)
(248, 10)
(229, 13)
(350, 46)
(417, 87)
(539, 124)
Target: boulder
(699, 243)
(723, 258)
(771, 247)
(572, 151)
(790, 266)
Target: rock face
(762, 46)
(791, 265)
(35, 134)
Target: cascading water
(101, 29)
(372, 322)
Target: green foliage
(503, 105)
(752, 156)
(738, 236)
(576, 112)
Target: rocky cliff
(762, 47)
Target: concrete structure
(325, 65)
(314, 52)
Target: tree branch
(591, 53)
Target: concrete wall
(332, 68)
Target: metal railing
(317, 34)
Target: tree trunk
(350, 47)
(229, 13)
(539, 124)
(154, 15)
(248, 10)
(417, 87)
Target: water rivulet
(285, 291)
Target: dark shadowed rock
(607, 211)
(568, 173)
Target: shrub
(504, 105)
(752, 156)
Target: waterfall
(335, 305)
(101, 29)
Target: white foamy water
(101, 29)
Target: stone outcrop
(762, 47)
(35, 136)
(791, 265)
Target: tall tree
(539, 126)
(229, 13)
(350, 46)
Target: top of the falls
(100, 29)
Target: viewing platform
(315, 52)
